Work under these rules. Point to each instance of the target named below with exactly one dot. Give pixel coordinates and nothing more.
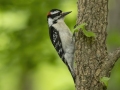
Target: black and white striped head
(54, 15)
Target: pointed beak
(65, 13)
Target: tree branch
(112, 58)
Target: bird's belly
(67, 42)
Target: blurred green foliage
(28, 60)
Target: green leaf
(79, 26)
(105, 80)
(87, 33)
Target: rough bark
(91, 53)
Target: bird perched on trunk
(62, 38)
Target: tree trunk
(91, 53)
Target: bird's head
(55, 14)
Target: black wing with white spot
(56, 41)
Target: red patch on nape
(48, 14)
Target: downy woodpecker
(61, 38)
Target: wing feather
(56, 41)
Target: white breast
(65, 34)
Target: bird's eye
(58, 14)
